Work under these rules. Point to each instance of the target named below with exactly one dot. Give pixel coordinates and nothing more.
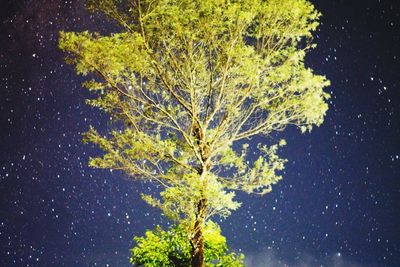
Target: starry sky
(339, 201)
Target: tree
(188, 83)
(159, 248)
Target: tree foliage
(187, 79)
(159, 248)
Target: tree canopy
(188, 83)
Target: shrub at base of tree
(159, 248)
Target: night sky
(339, 201)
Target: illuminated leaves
(159, 248)
(185, 80)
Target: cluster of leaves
(159, 248)
(179, 201)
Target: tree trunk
(198, 238)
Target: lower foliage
(159, 248)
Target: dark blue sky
(339, 201)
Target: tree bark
(198, 237)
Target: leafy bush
(159, 248)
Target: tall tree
(187, 79)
